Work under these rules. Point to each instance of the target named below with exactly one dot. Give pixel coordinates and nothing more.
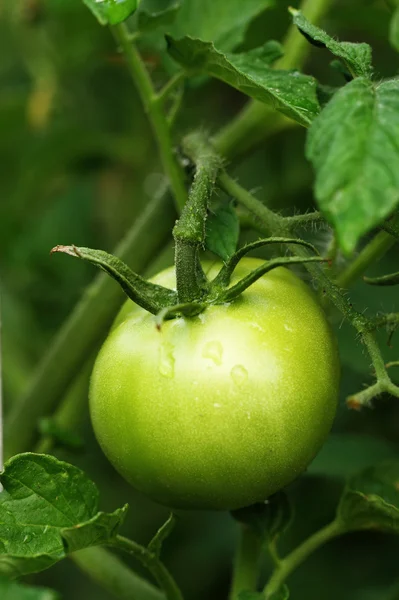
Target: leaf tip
(71, 250)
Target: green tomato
(221, 410)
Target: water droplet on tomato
(239, 375)
(166, 360)
(214, 351)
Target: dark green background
(77, 164)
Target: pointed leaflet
(357, 57)
(48, 508)
(354, 148)
(10, 590)
(371, 500)
(289, 92)
(223, 23)
(222, 231)
(111, 12)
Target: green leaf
(47, 509)
(155, 546)
(357, 57)
(371, 499)
(290, 92)
(268, 519)
(354, 148)
(152, 14)
(11, 590)
(394, 30)
(343, 455)
(223, 23)
(111, 12)
(222, 231)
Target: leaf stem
(155, 113)
(153, 564)
(299, 555)
(246, 564)
(108, 571)
(170, 85)
(375, 250)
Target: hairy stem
(246, 564)
(153, 564)
(299, 555)
(155, 113)
(108, 571)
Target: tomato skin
(224, 409)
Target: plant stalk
(299, 555)
(154, 110)
(109, 572)
(246, 564)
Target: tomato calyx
(164, 302)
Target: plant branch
(246, 564)
(154, 110)
(83, 331)
(299, 555)
(151, 561)
(108, 571)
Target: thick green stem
(299, 555)
(246, 564)
(84, 329)
(189, 231)
(108, 571)
(375, 250)
(153, 108)
(249, 127)
(153, 564)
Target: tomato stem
(246, 564)
(154, 110)
(151, 561)
(108, 571)
(189, 231)
(299, 555)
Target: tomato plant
(214, 385)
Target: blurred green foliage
(77, 164)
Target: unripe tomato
(221, 410)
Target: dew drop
(214, 351)
(166, 360)
(239, 375)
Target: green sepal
(149, 296)
(61, 436)
(155, 545)
(229, 294)
(222, 280)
